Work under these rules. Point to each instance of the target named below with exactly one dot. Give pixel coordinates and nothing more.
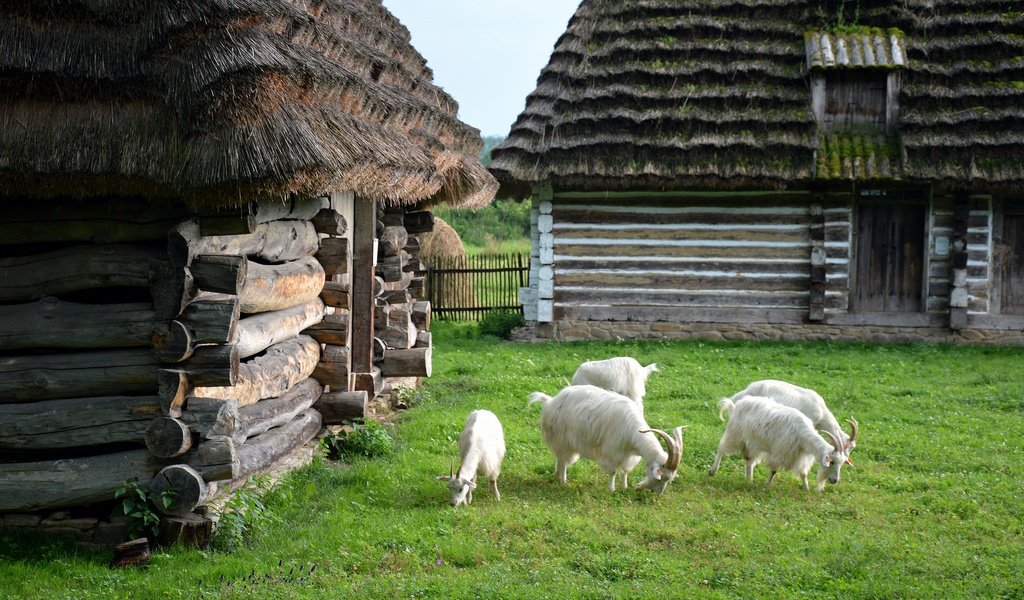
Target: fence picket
(466, 288)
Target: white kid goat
(481, 450)
(588, 421)
(761, 428)
(806, 401)
(622, 375)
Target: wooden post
(363, 255)
(338, 407)
(958, 293)
(816, 302)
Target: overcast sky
(486, 53)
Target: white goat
(782, 436)
(806, 401)
(606, 428)
(481, 450)
(622, 375)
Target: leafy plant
(500, 323)
(369, 439)
(142, 506)
(407, 397)
(245, 512)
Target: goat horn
(835, 441)
(854, 426)
(451, 470)
(674, 451)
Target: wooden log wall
(660, 257)
(130, 320)
(401, 312)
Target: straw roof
(670, 94)
(221, 101)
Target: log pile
(401, 314)
(143, 340)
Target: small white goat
(622, 375)
(761, 428)
(584, 420)
(806, 401)
(481, 450)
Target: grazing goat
(806, 401)
(785, 438)
(584, 420)
(481, 450)
(622, 375)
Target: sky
(486, 54)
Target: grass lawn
(931, 509)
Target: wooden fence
(466, 288)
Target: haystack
(442, 248)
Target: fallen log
(276, 241)
(77, 422)
(271, 374)
(275, 287)
(133, 553)
(77, 374)
(76, 268)
(257, 333)
(54, 323)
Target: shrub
(369, 439)
(242, 514)
(500, 323)
(141, 505)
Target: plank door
(890, 257)
(1011, 256)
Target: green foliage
(244, 513)
(142, 507)
(490, 141)
(408, 397)
(500, 323)
(489, 227)
(369, 440)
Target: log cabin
(203, 207)
(776, 169)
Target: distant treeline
(500, 222)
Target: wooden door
(1010, 250)
(890, 257)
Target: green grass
(930, 510)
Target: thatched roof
(222, 100)
(670, 94)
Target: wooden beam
(67, 482)
(264, 415)
(54, 323)
(189, 488)
(363, 258)
(259, 453)
(96, 220)
(332, 329)
(339, 407)
(219, 273)
(336, 294)
(413, 362)
(271, 374)
(77, 374)
(330, 222)
(257, 333)
(76, 422)
(211, 318)
(210, 417)
(276, 241)
(167, 437)
(419, 221)
(275, 287)
(76, 268)
(334, 256)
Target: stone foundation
(568, 331)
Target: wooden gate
(465, 288)
(1010, 252)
